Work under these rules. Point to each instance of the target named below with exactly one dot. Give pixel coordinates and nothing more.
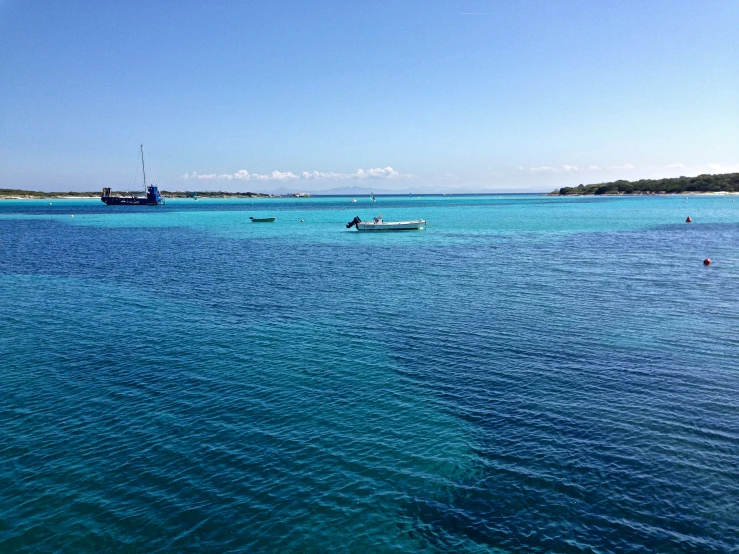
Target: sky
(421, 95)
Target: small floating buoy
(707, 261)
(688, 220)
(72, 216)
(301, 221)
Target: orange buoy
(707, 261)
(688, 220)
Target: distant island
(38, 195)
(726, 182)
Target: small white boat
(377, 224)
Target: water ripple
(474, 389)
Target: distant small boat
(377, 224)
(354, 199)
(262, 219)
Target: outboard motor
(353, 222)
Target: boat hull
(128, 201)
(262, 219)
(417, 225)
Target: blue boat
(152, 198)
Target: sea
(527, 374)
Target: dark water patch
(598, 403)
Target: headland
(726, 183)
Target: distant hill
(725, 182)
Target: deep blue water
(528, 374)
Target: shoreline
(167, 197)
(24, 194)
(49, 198)
(244, 196)
(686, 193)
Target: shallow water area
(528, 374)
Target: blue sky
(421, 95)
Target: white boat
(377, 224)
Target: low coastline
(686, 193)
(16, 194)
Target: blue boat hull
(129, 201)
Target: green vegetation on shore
(19, 193)
(726, 182)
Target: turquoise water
(529, 374)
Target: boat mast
(143, 167)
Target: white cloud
(566, 168)
(451, 176)
(279, 176)
(207, 176)
(322, 175)
(241, 175)
(377, 173)
(675, 166)
(624, 166)
(244, 175)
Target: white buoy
(72, 216)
